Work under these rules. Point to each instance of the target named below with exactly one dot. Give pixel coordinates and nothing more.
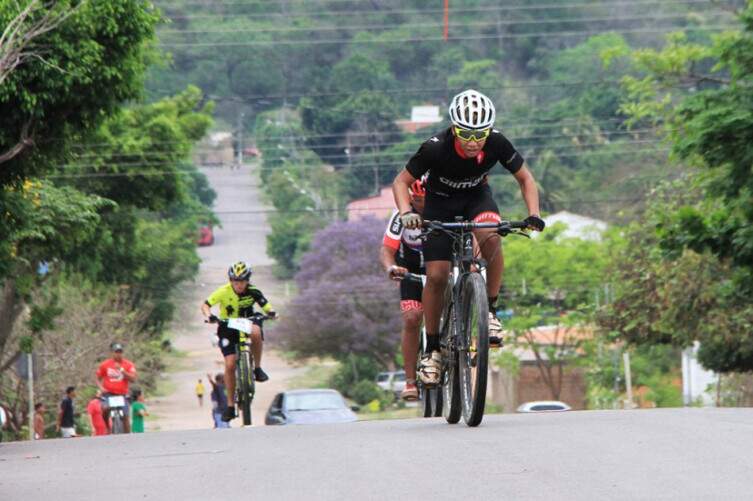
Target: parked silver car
(309, 407)
(544, 406)
(391, 381)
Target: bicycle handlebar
(255, 316)
(472, 225)
(413, 277)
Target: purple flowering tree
(346, 305)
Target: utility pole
(446, 32)
(239, 139)
(30, 384)
(628, 381)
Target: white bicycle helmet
(472, 110)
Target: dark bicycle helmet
(239, 271)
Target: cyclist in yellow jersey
(236, 300)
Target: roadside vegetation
(101, 199)
(638, 116)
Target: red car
(206, 235)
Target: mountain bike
(245, 385)
(464, 323)
(116, 409)
(431, 397)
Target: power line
(517, 138)
(358, 166)
(384, 155)
(410, 144)
(543, 35)
(485, 24)
(543, 124)
(458, 10)
(399, 91)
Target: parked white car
(391, 381)
(544, 406)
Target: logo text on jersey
(469, 183)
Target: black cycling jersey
(450, 173)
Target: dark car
(309, 407)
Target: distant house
(380, 206)
(509, 390)
(582, 227)
(420, 117)
(216, 149)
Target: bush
(365, 391)
(353, 369)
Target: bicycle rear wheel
(432, 400)
(451, 407)
(473, 352)
(243, 382)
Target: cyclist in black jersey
(401, 254)
(236, 300)
(457, 161)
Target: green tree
(83, 69)
(709, 233)
(552, 271)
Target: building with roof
(379, 206)
(583, 227)
(420, 117)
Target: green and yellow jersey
(241, 305)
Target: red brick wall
(531, 386)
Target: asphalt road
(241, 236)
(645, 454)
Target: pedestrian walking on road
(65, 425)
(39, 411)
(219, 400)
(96, 417)
(200, 393)
(139, 411)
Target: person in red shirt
(113, 376)
(96, 417)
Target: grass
(316, 376)
(174, 361)
(406, 413)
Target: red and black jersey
(451, 172)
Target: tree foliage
(342, 318)
(696, 283)
(81, 71)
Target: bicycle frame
(465, 354)
(245, 386)
(463, 260)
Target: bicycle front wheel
(244, 381)
(473, 352)
(117, 424)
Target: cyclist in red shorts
(401, 254)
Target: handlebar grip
(413, 277)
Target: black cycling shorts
(230, 337)
(476, 204)
(410, 291)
